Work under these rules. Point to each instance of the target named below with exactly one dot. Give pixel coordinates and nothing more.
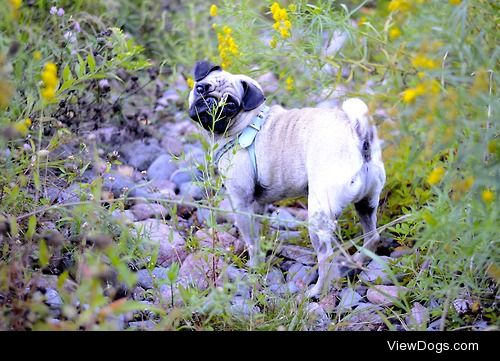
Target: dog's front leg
(249, 228)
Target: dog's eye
(202, 88)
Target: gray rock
(328, 303)
(224, 215)
(378, 273)
(282, 219)
(194, 155)
(139, 293)
(238, 278)
(189, 190)
(172, 145)
(385, 295)
(317, 319)
(435, 325)
(184, 174)
(198, 270)
(74, 193)
(287, 235)
(225, 242)
(348, 299)
(141, 153)
(162, 168)
(154, 234)
(242, 308)
(301, 276)
(142, 325)
(147, 278)
(274, 277)
(118, 184)
(364, 318)
(142, 211)
(300, 254)
(125, 216)
(418, 317)
(52, 299)
(269, 82)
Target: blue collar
(246, 139)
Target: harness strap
(246, 139)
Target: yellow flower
(421, 61)
(436, 175)
(27, 121)
(228, 49)
(289, 83)
(455, 2)
(15, 4)
(488, 196)
(401, 5)
(37, 55)
(48, 93)
(284, 33)
(394, 33)
(213, 10)
(49, 79)
(273, 43)
(410, 94)
(292, 8)
(190, 83)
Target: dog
(266, 154)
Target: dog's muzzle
(213, 116)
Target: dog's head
(218, 98)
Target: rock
(74, 193)
(155, 233)
(401, 251)
(378, 273)
(348, 299)
(118, 184)
(194, 155)
(385, 295)
(287, 235)
(225, 241)
(162, 168)
(126, 216)
(300, 254)
(107, 135)
(301, 276)
(317, 319)
(147, 278)
(184, 174)
(142, 325)
(364, 318)
(274, 277)
(328, 303)
(163, 186)
(462, 305)
(435, 325)
(141, 153)
(225, 214)
(239, 278)
(52, 299)
(418, 317)
(172, 145)
(197, 270)
(142, 211)
(44, 282)
(242, 308)
(139, 293)
(269, 82)
(189, 190)
(282, 219)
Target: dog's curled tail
(357, 112)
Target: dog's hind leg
(322, 224)
(249, 229)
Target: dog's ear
(203, 68)
(252, 96)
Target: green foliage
(429, 73)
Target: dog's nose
(202, 88)
(211, 103)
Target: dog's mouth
(214, 115)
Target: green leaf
(43, 254)
(67, 73)
(36, 180)
(31, 227)
(82, 66)
(91, 62)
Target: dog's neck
(241, 121)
